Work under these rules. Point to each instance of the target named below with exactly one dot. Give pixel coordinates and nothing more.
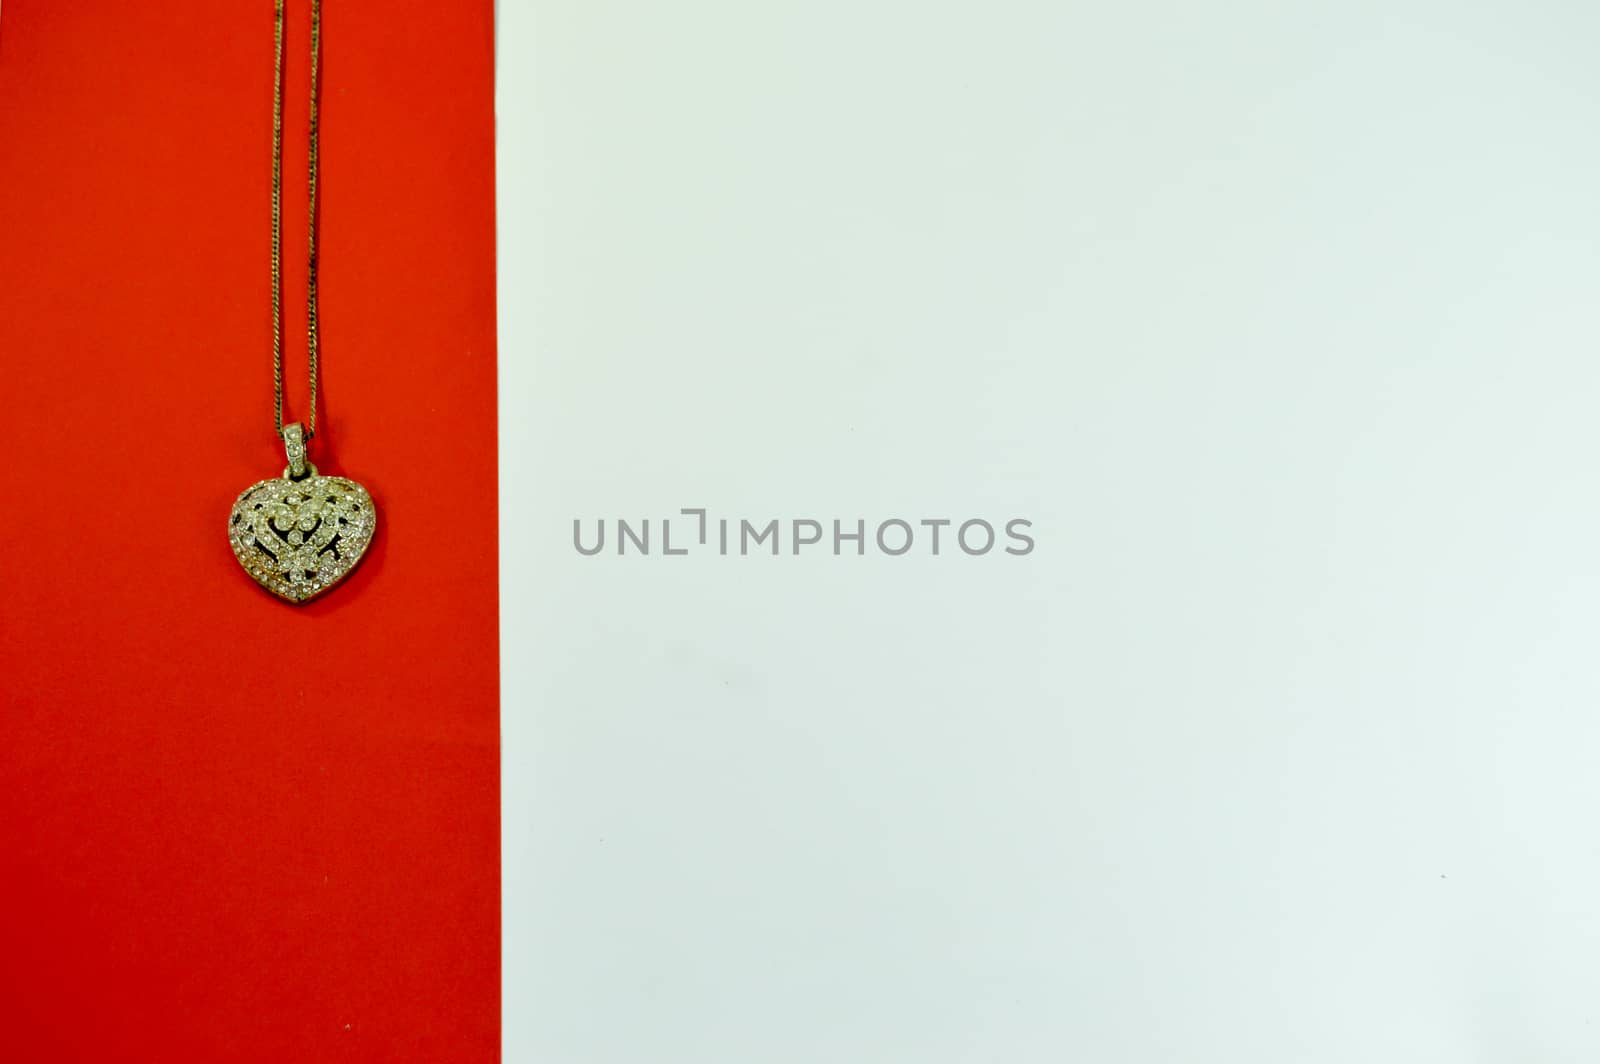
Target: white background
(1277, 319)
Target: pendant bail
(294, 445)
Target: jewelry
(299, 533)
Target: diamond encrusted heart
(298, 538)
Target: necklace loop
(294, 445)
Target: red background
(230, 828)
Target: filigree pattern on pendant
(298, 538)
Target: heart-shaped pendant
(299, 537)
